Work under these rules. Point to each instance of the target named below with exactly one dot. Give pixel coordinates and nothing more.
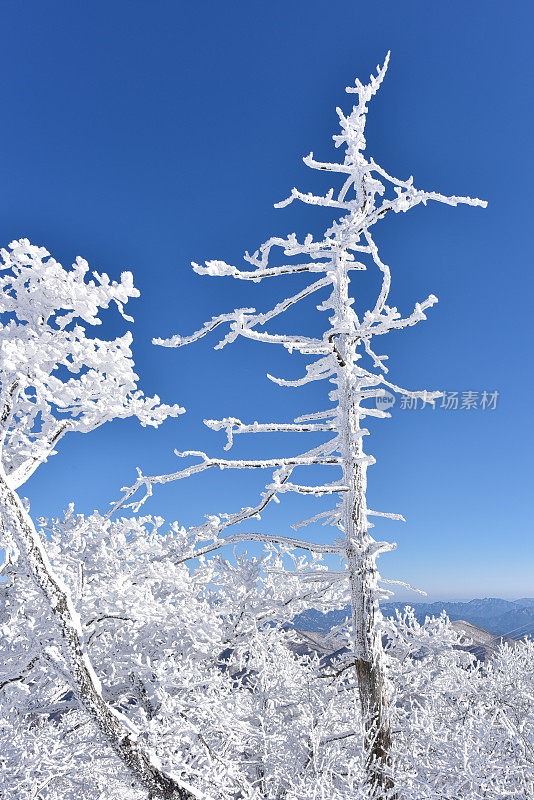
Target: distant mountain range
(514, 618)
(474, 639)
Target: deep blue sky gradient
(145, 135)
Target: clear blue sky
(144, 135)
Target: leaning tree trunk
(116, 728)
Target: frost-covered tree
(195, 652)
(346, 357)
(463, 729)
(195, 649)
(56, 379)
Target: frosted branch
(404, 586)
(366, 91)
(330, 516)
(234, 426)
(290, 301)
(268, 463)
(328, 166)
(319, 370)
(180, 341)
(328, 488)
(386, 275)
(377, 360)
(392, 320)
(22, 473)
(329, 412)
(385, 514)
(148, 482)
(305, 345)
(313, 200)
(287, 541)
(427, 397)
(220, 268)
(330, 576)
(215, 525)
(268, 538)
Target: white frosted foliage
(56, 379)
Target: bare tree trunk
(368, 644)
(360, 555)
(369, 659)
(116, 728)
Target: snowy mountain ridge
(481, 643)
(514, 618)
